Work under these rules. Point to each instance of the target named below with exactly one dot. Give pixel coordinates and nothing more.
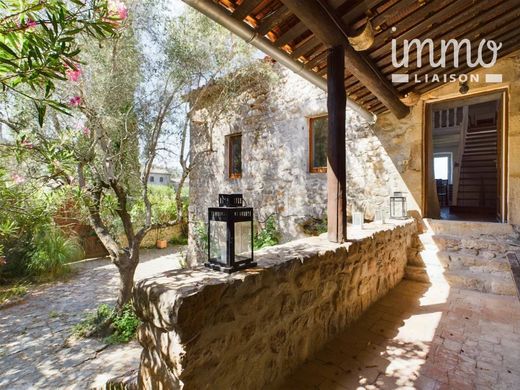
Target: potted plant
(160, 242)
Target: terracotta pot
(161, 244)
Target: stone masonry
(276, 179)
(203, 329)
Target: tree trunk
(126, 265)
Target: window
(152, 179)
(318, 130)
(161, 179)
(442, 166)
(235, 156)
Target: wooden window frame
(312, 168)
(231, 174)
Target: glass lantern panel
(398, 208)
(218, 241)
(243, 244)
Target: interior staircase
(478, 170)
(469, 255)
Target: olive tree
(129, 106)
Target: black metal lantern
(398, 209)
(230, 235)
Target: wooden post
(336, 158)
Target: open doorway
(464, 149)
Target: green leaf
(41, 108)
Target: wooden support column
(336, 154)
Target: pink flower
(73, 74)
(123, 12)
(27, 144)
(86, 131)
(119, 8)
(75, 101)
(30, 24)
(17, 178)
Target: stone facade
(276, 178)
(207, 330)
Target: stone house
(273, 151)
(280, 172)
(160, 176)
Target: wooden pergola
(348, 44)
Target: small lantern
(230, 235)
(398, 208)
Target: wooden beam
(336, 152)
(320, 20)
(273, 20)
(245, 9)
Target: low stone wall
(207, 330)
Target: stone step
(489, 283)
(468, 228)
(477, 263)
(496, 246)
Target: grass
(16, 291)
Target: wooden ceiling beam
(509, 46)
(320, 21)
(505, 34)
(415, 21)
(291, 34)
(273, 20)
(245, 9)
(458, 27)
(305, 47)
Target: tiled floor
(423, 337)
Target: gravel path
(34, 351)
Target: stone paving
(423, 336)
(35, 350)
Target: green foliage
(123, 325)
(53, 250)
(92, 321)
(38, 43)
(13, 292)
(181, 240)
(269, 235)
(314, 226)
(201, 235)
(22, 213)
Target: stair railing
(457, 165)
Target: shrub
(52, 251)
(123, 325)
(269, 235)
(22, 212)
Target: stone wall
(276, 179)
(207, 330)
